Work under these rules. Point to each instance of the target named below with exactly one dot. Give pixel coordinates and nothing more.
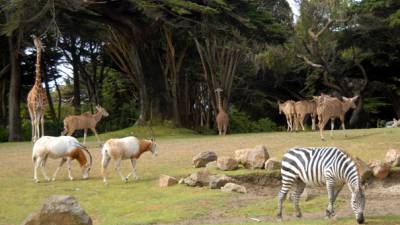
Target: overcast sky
(294, 7)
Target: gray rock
(256, 158)
(241, 155)
(59, 210)
(227, 163)
(218, 181)
(232, 187)
(393, 157)
(272, 164)
(166, 181)
(201, 178)
(211, 165)
(201, 159)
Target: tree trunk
(14, 117)
(47, 87)
(76, 76)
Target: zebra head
(358, 203)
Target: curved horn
(153, 137)
(90, 155)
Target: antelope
(288, 109)
(332, 108)
(302, 108)
(125, 148)
(84, 122)
(65, 147)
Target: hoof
(71, 178)
(36, 180)
(47, 179)
(299, 215)
(125, 180)
(53, 179)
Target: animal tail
(84, 148)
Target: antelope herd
(324, 107)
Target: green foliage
(240, 122)
(373, 104)
(3, 134)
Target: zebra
(319, 166)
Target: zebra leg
(296, 197)
(287, 183)
(331, 198)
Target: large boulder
(166, 181)
(218, 181)
(201, 178)
(201, 159)
(364, 170)
(393, 157)
(227, 163)
(241, 155)
(232, 187)
(60, 210)
(256, 157)
(380, 169)
(272, 164)
(211, 165)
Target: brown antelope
(84, 122)
(332, 108)
(303, 108)
(288, 109)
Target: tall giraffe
(222, 117)
(37, 100)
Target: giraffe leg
(42, 124)
(296, 197)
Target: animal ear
(355, 98)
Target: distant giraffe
(37, 100)
(222, 117)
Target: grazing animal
(302, 109)
(324, 166)
(288, 109)
(125, 148)
(37, 100)
(222, 117)
(64, 147)
(393, 124)
(84, 122)
(332, 108)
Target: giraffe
(222, 117)
(37, 100)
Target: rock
(166, 181)
(232, 187)
(201, 178)
(256, 157)
(364, 170)
(60, 210)
(181, 181)
(227, 163)
(241, 155)
(218, 181)
(201, 159)
(211, 165)
(272, 164)
(393, 157)
(380, 169)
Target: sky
(295, 8)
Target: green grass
(143, 202)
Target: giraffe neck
(220, 108)
(38, 80)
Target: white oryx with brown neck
(64, 147)
(84, 122)
(125, 148)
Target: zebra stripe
(321, 166)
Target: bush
(3, 134)
(240, 122)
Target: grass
(143, 202)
